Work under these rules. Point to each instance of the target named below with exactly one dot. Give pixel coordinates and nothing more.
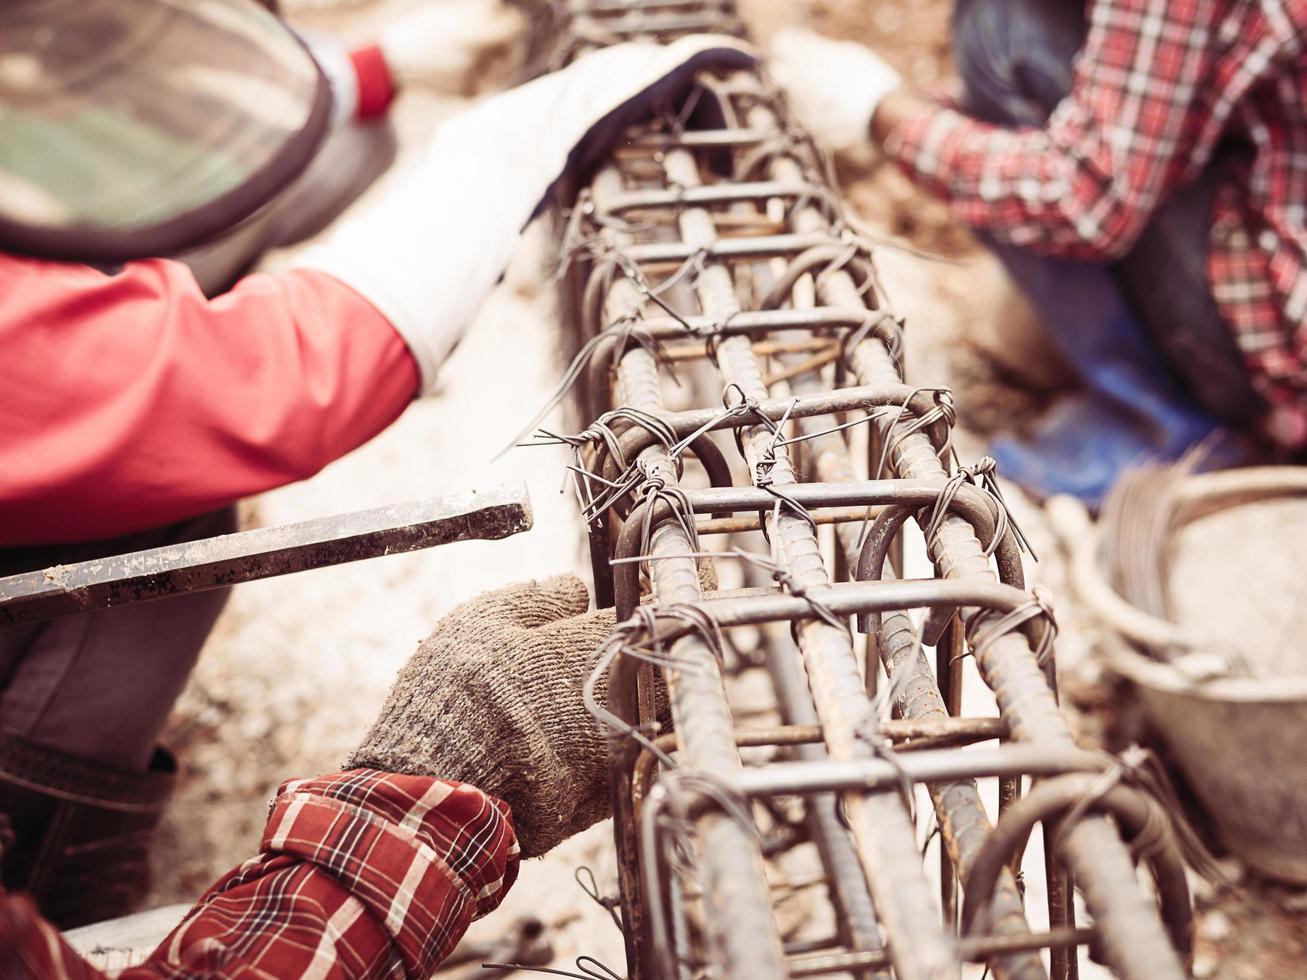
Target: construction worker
(482, 754)
(132, 663)
(136, 410)
(1140, 168)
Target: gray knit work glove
(493, 698)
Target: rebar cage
(710, 247)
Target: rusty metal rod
(975, 949)
(229, 559)
(858, 924)
(882, 835)
(910, 735)
(742, 525)
(699, 139)
(1132, 933)
(962, 819)
(691, 268)
(726, 193)
(736, 895)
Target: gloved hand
(427, 253)
(440, 44)
(493, 698)
(834, 87)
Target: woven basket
(1241, 741)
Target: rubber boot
(1131, 405)
(74, 833)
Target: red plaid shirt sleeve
(360, 874)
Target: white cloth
(428, 252)
(442, 44)
(834, 87)
(333, 58)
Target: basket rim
(1199, 495)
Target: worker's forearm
(368, 871)
(1043, 188)
(1083, 183)
(895, 109)
(360, 874)
(131, 401)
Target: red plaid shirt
(361, 874)
(1159, 86)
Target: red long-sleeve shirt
(1159, 86)
(359, 874)
(129, 401)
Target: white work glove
(441, 44)
(834, 87)
(429, 251)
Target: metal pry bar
(211, 563)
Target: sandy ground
(298, 666)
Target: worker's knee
(100, 685)
(1015, 56)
